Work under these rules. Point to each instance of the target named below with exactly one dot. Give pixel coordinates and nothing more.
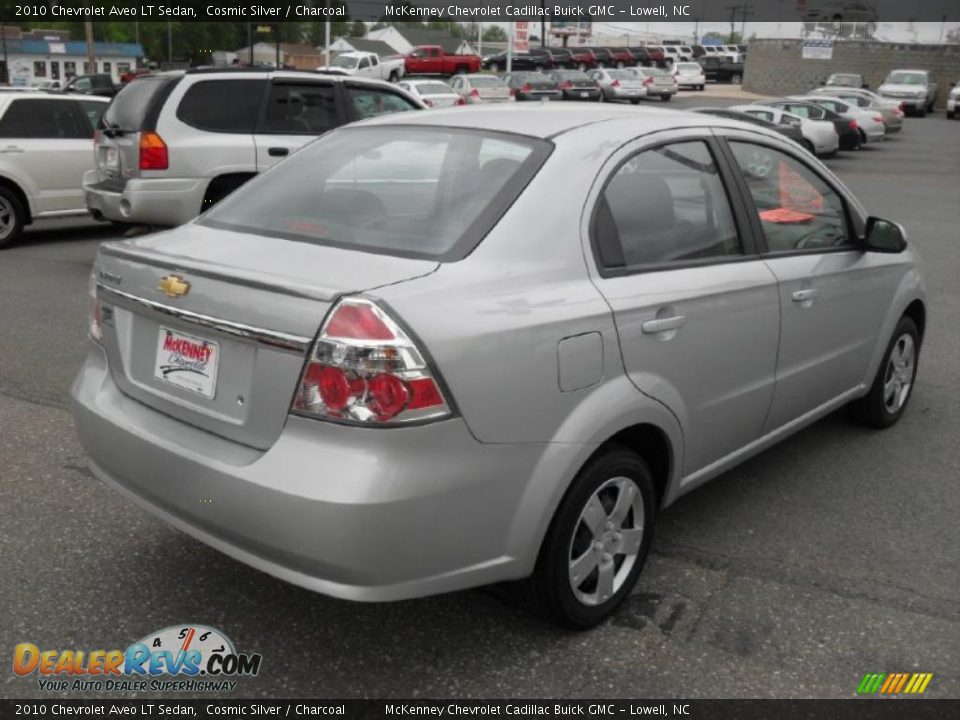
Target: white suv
(175, 143)
(45, 143)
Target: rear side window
(371, 102)
(132, 108)
(412, 192)
(665, 205)
(228, 106)
(43, 119)
(300, 109)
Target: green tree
(495, 33)
(358, 29)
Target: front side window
(413, 192)
(300, 109)
(368, 102)
(798, 210)
(665, 205)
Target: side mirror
(884, 236)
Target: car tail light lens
(526, 88)
(854, 125)
(474, 93)
(878, 118)
(95, 310)
(364, 369)
(615, 83)
(427, 102)
(566, 85)
(648, 81)
(461, 101)
(153, 152)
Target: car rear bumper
(147, 201)
(584, 94)
(355, 513)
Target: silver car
(367, 372)
(479, 88)
(915, 89)
(659, 83)
(889, 110)
(619, 85)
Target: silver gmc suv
(175, 143)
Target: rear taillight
(461, 101)
(95, 310)
(474, 93)
(566, 85)
(878, 118)
(526, 89)
(648, 81)
(854, 125)
(428, 103)
(615, 83)
(153, 152)
(364, 368)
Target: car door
(696, 309)
(294, 113)
(832, 294)
(49, 140)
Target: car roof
(548, 120)
(896, 70)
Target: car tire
(665, 98)
(394, 77)
(808, 146)
(950, 114)
(581, 595)
(12, 217)
(893, 385)
(635, 101)
(701, 88)
(921, 112)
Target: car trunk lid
(212, 326)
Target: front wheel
(666, 98)
(597, 542)
(894, 381)
(394, 77)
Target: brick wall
(775, 67)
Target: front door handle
(278, 152)
(807, 295)
(663, 324)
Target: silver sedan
(619, 85)
(367, 372)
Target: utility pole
(543, 23)
(510, 51)
(276, 36)
(480, 39)
(91, 57)
(169, 41)
(3, 37)
(326, 37)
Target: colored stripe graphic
(894, 683)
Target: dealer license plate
(188, 362)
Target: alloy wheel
(898, 378)
(7, 219)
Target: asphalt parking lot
(827, 557)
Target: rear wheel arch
(15, 188)
(221, 186)
(651, 443)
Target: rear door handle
(278, 152)
(663, 324)
(806, 295)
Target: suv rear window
(412, 192)
(228, 106)
(136, 106)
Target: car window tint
(368, 103)
(93, 111)
(44, 119)
(300, 109)
(763, 114)
(229, 106)
(666, 205)
(798, 210)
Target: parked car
(915, 89)
(432, 60)
(697, 51)
(519, 61)
(604, 57)
(101, 85)
(689, 74)
(657, 55)
(819, 136)
(553, 57)
(432, 93)
(789, 130)
(848, 131)
(889, 110)
(45, 143)
(733, 52)
(869, 122)
(576, 85)
(42, 84)
(846, 80)
(176, 143)
(621, 57)
(297, 355)
(659, 83)
(641, 56)
(619, 84)
(532, 86)
(366, 64)
(582, 58)
(719, 69)
(477, 89)
(953, 101)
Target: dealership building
(37, 56)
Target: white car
(953, 101)
(365, 64)
(433, 93)
(821, 134)
(690, 75)
(870, 122)
(46, 145)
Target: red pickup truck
(431, 60)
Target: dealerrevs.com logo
(184, 658)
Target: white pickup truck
(366, 64)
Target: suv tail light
(153, 152)
(428, 102)
(95, 311)
(364, 369)
(878, 118)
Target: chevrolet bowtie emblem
(173, 286)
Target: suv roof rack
(203, 69)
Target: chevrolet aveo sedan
(446, 349)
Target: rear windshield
(622, 75)
(429, 192)
(688, 67)
(485, 81)
(133, 106)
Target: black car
(558, 57)
(791, 131)
(520, 61)
(101, 85)
(720, 69)
(576, 85)
(641, 56)
(604, 57)
(532, 86)
(847, 130)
